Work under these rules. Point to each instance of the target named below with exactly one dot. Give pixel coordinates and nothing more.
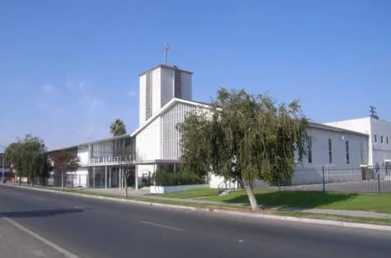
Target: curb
(221, 211)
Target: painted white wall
(160, 139)
(170, 189)
(148, 142)
(381, 150)
(142, 95)
(338, 170)
(77, 178)
(378, 152)
(220, 182)
(171, 137)
(157, 89)
(145, 169)
(83, 155)
(361, 125)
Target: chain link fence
(349, 180)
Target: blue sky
(68, 68)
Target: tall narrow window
(362, 152)
(347, 152)
(330, 151)
(309, 139)
(375, 138)
(387, 139)
(381, 139)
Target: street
(87, 227)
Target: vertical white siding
(171, 137)
(83, 155)
(142, 96)
(156, 91)
(148, 142)
(378, 152)
(381, 150)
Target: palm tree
(118, 128)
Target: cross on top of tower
(166, 49)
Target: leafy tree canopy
(27, 157)
(245, 137)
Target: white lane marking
(42, 239)
(161, 225)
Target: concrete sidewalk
(348, 213)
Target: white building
(379, 144)
(165, 97)
(339, 152)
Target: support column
(105, 177)
(88, 178)
(118, 178)
(110, 183)
(136, 177)
(154, 172)
(93, 177)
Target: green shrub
(164, 177)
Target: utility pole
(3, 168)
(3, 164)
(373, 113)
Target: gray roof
(92, 142)
(333, 128)
(166, 66)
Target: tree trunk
(240, 181)
(251, 196)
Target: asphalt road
(97, 228)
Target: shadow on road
(39, 213)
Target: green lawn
(299, 199)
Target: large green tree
(13, 155)
(245, 138)
(27, 157)
(118, 127)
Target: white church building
(165, 97)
